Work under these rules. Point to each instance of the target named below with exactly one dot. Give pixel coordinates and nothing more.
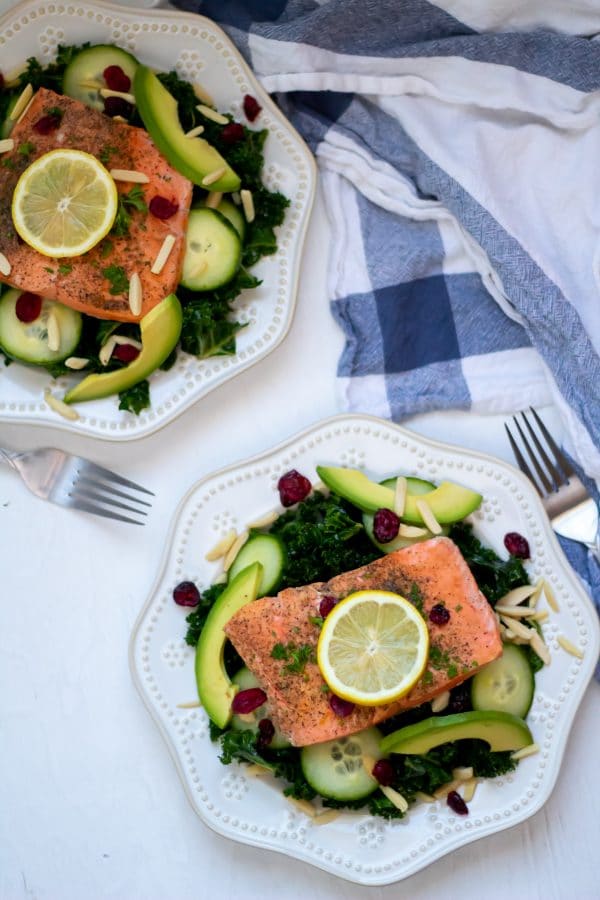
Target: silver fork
(571, 510)
(78, 483)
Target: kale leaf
(136, 398)
(494, 575)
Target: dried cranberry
(341, 708)
(266, 732)
(162, 208)
(517, 545)
(293, 487)
(457, 804)
(116, 79)
(251, 107)
(383, 772)
(386, 525)
(439, 615)
(28, 307)
(186, 593)
(125, 353)
(326, 605)
(247, 701)
(47, 124)
(116, 106)
(232, 133)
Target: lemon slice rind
(373, 648)
(64, 203)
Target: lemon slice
(373, 648)
(64, 203)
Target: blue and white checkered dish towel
(460, 166)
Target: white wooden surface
(90, 802)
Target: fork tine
(112, 476)
(555, 473)
(559, 456)
(521, 461)
(546, 483)
(98, 511)
(86, 494)
(91, 484)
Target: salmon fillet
(298, 702)
(80, 282)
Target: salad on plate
(132, 212)
(362, 646)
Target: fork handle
(7, 457)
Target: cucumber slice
(269, 551)
(232, 213)
(83, 78)
(336, 769)
(415, 487)
(505, 685)
(28, 341)
(244, 679)
(213, 251)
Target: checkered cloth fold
(459, 162)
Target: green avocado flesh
(215, 688)
(193, 157)
(160, 330)
(502, 731)
(449, 502)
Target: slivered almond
(234, 550)
(118, 118)
(212, 114)
(22, 103)
(163, 255)
(469, 789)
(123, 339)
(195, 132)
(53, 331)
(135, 294)
(247, 205)
(213, 199)
(411, 531)
(76, 362)
(236, 198)
(327, 816)
(129, 98)
(193, 704)
(256, 769)
(25, 111)
(6, 145)
(445, 789)
(202, 94)
(535, 597)
(424, 798)
(517, 595)
(518, 628)
(516, 612)
(538, 645)
(394, 797)
(5, 266)
(304, 806)
(463, 773)
(550, 597)
(428, 517)
(400, 495)
(106, 350)
(566, 644)
(221, 547)
(129, 175)
(440, 702)
(91, 84)
(213, 176)
(529, 750)
(264, 521)
(540, 615)
(67, 412)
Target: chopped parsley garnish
(119, 283)
(106, 153)
(132, 200)
(26, 149)
(65, 268)
(295, 656)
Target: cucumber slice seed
(506, 685)
(336, 768)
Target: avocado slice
(449, 502)
(502, 731)
(193, 157)
(215, 688)
(160, 330)
(416, 486)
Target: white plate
(356, 846)
(200, 52)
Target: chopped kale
(494, 576)
(50, 76)
(136, 398)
